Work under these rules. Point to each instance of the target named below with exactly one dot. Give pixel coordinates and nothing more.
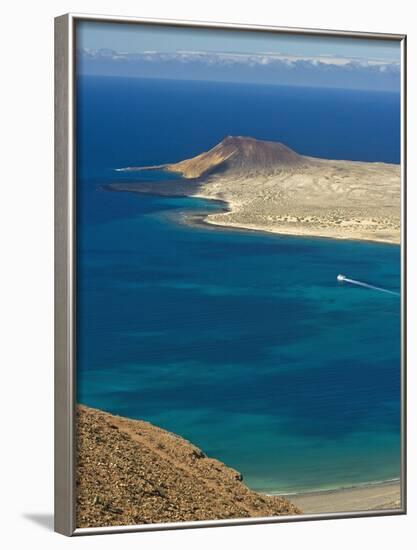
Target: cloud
(327, 71)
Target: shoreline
(297, 232)
(372, 496)
(199, 219)
(362, 484)
(205, 219)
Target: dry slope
(131, 472)
(239, 155)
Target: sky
(160, 51)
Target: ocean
(244, 343)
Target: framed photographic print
(230, 274)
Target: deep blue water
(243, 343)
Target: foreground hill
(269, 187)
(131, 472)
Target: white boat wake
(343, 279)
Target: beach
(381, 496)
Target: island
(269, 187)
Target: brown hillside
(238, 154)
(131, 472)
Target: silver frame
(65, 282)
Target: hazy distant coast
(271, 188)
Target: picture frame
(66, 235)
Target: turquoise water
(242, 342)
